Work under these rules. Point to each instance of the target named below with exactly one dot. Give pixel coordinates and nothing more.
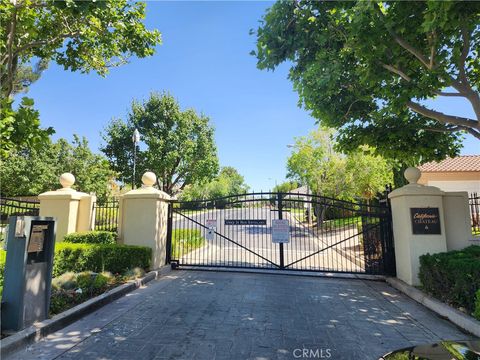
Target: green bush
(134, 273)
(3, 255)
(67, 281)
(476, 313)
(70, 289)
(99, 257)
(452, 277)
(91, 237)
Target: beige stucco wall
(64, 208)
(409, 247)
(143, 221)
(86, 213)
(73, 210)
(457, 220)
(452, 181)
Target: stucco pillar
(143, 218)
(69, 207)
(457, 221)
(409, 246)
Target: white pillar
(409, 246)
(143, 218)
(69, 207)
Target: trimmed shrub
(99, 257)
(91, 237)
(476, 313)
(452, 277)
(3, 256)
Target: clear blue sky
(204, 62)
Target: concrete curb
(460, 319)
(41, 329)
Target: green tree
(367, 173)
(366, 69)
(78, 35)
(32, 171)
(180, 145)
(228, 182)
(360, 174)
(286, 186)
(314, 162)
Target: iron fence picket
(14, 206)
(474, 205)
(106, 215)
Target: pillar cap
(149, 179)
(66, 180)
(147, 191)
(412, 174)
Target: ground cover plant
(70, 289)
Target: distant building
(461, 173)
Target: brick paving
(225, 315)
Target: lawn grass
(185, 241)
(342, 222)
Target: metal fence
(474, 203)
(106, 215)
(12, 206)
(318, 234)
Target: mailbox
(28, 271)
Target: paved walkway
(221, 315)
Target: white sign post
(212, 226)
(280, 231)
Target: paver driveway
(224, 315)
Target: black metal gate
(323, 234)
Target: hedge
(452, 277)
(99, 257)
(91, 237)
(3, 255)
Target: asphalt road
(251, 245)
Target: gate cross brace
(226, 238)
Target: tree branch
(441, 117)
(441, 93)
(403, 43)
(11, 36)
(397, 71)
(463, 56)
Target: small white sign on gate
(280, 231)
(211, 227)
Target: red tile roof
(459, 163)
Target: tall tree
(78, 35)
(314, 162)
(286, 186)
(228, 182)
(360, 174)
(180, 145)
(367, 67)
(31, 171)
